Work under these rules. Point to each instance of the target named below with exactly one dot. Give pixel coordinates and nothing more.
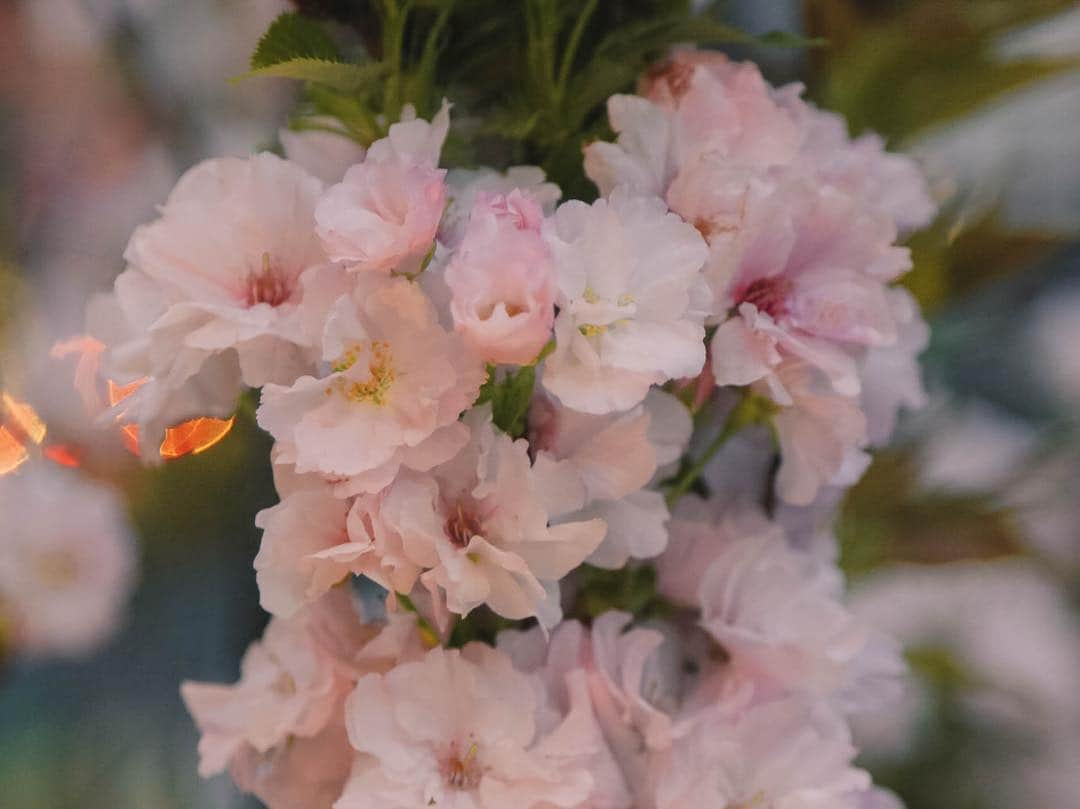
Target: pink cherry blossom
(562, 661)
(479, 529)
(67, 562)
(383, 215)
(622, 325)
(893, 184)
(291, 567)
(461, 729)
(700, 104)
(308, 772)
(396, 379)
(228, 255)
(802, 277)
(769, 607)
(786, 753)
(466, 186)
(599, 466)
(820, 432)
(279, 730)
(502, 280)
(174, 383)
(289, 686)
(774, 609)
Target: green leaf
(350, 109)
(509, 398)
(292, 36)
(343, 76)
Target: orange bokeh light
(186, 438)
(117, 392)
(23, 420)
(12, 453)
(195, 436)
(62, 455)
(129, 434)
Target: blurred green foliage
(899, 67)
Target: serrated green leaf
(343, 76)
(292, 36)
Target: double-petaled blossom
(214, 294)
(803, 279)
(585, 460)
(700, 103)
(280, 730)
(466, 186)
(787, 753)
(66, 563)
(385, 212)
(479, 529)
(463, 729)
(394, 385)
(502, 280)
(631, 301)
(228, 253)
(774, 610)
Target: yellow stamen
(376, 388)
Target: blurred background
(963, 539)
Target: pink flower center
(756, 801)
(462, 770)
(269, 284)
(462, 524)
(769, 295)
(57, 569)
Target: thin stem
(428, 633)
(426, 65)
(572, 46)
(394, 17)
(739, 417)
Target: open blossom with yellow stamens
(631, 298)
(395, 385)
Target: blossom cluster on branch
(502, 410)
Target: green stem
(742, 414)
(427, 631)
(394, 17)
(572, 46)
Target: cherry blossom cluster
(482, 402)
